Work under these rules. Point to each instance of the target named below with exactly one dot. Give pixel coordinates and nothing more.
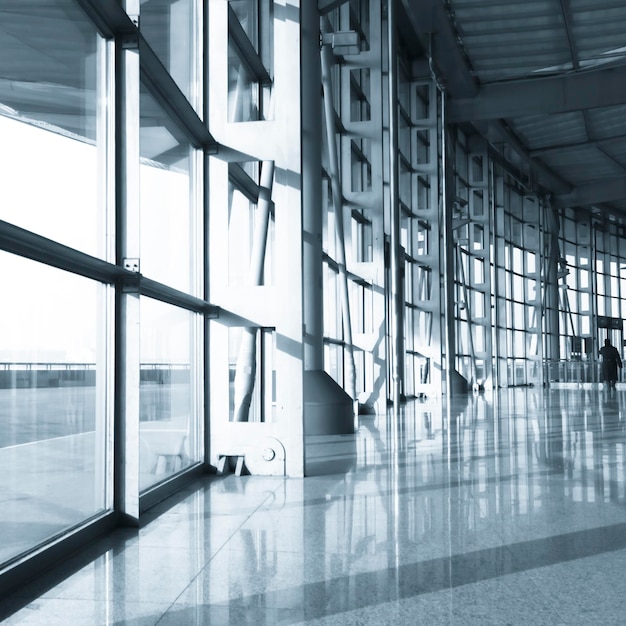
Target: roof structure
(545, 77)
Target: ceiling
(546, 79)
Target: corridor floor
(504, 508)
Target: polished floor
(498, 509)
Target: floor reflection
(492, 508)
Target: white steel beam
(326, 6)
(576, 91)
(607, 190)
(430, 22)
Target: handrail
(572, 371)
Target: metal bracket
(130, 41)
(212, 148)
(213, 312)
(132, 265)
(131, 280)
(342, 41)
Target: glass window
(243, 92)
(585, 324)
(170, 28)
(53, 402)
(584, 279)
(252, 380)
(478, 267)
(333, 362)
(246, 223)
(478, 310)
(479, 338)
(584, 302)
(531, 290)
(478, 237)
(53, 123)
(332, 312)
(169, 250)
(247, 14)
(170, 425)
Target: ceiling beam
(498, 132)
(326, 6)
(556, 149)
(556, 94)
(610, 190)
(431, 23)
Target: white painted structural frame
(277, 306)
(426, 173)
(360, 91)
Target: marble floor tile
(504, 508)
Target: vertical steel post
(335, 180)
(397, 260)
(448, 250)
(552, 285)
(494, 218)
(127, 356)
(312, 275)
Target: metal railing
(572, 371)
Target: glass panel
(478, 271)
(332, 313)
(252, 385)
(169, 427)
(247, 14)
(168, 26)
(243, 92)
(518, 287)
(584, 279)
(333, 362)
(585, 325)
(479, 305)
(246, 224)
(53, 402)
(167, 204)
(52, 144)
(479, 338)
(584, 302)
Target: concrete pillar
(312, 271)
(328, 409)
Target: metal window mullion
(335, 178)
(38, 248)
(109, 17)
(105, 371)
(167, 93)
(248, 53)
(243, 182)
(127, 381)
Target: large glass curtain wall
(592, 287)
(101, 262)
(517, 276)
(499, 264)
